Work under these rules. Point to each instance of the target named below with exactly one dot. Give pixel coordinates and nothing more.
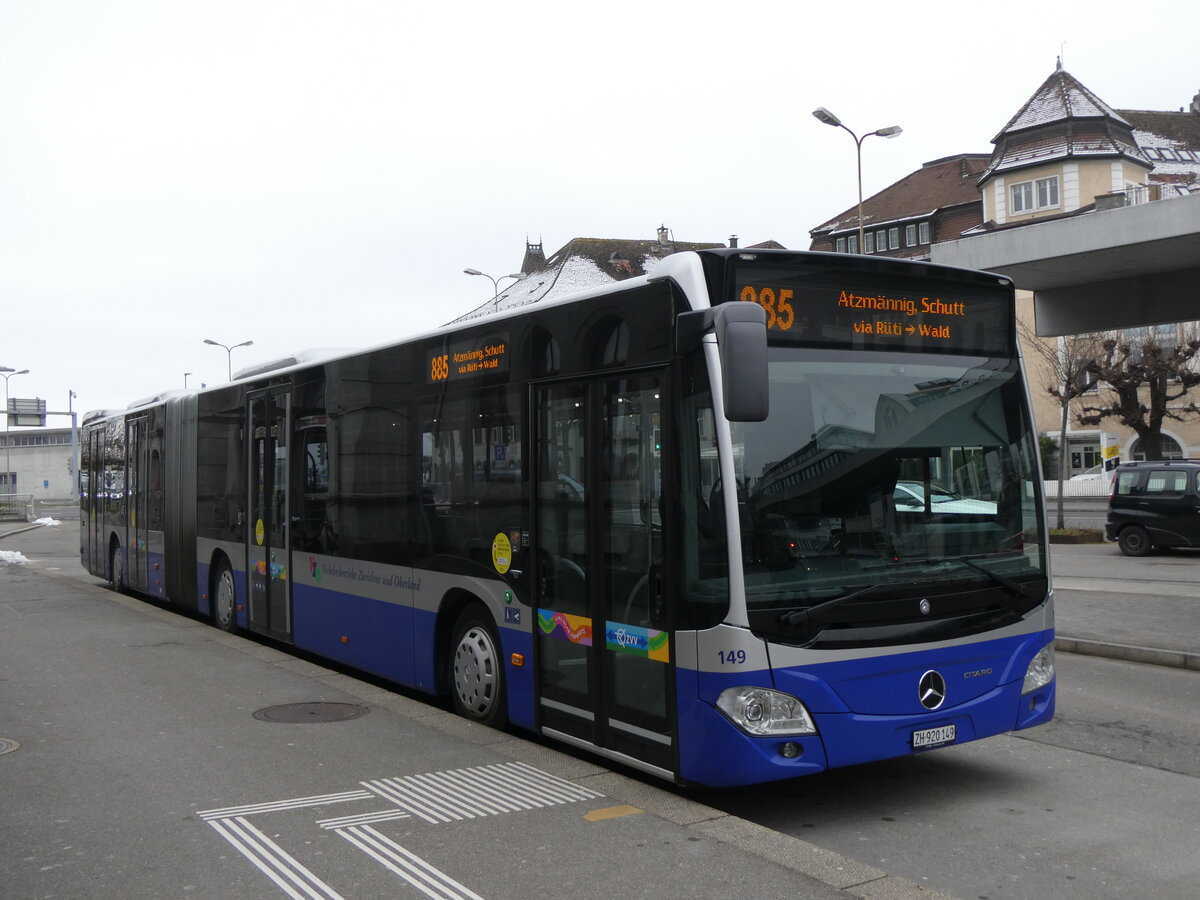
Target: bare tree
(1066, 366)
(1147, 379)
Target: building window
(881, 241)
(1033, 195)
(1022, 196)
(1047, 192)
(869, 242)
(894, 238)
(1167, 446)
(910, 235)
(840, 245)
(852, 243)
(923, 233)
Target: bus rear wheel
(477, 669)
(116, 568)
(224, 599)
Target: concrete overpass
(1116, 268)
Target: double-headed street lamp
(495, 282)
(824, 115)
(8, 373)
(229, 352)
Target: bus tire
(477, 669)
(224, 599)
(1134, 541)
(116, 568)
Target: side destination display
(870, 314)
(487, 355)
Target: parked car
(909, 496)
(1155, 504)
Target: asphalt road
(142, 764)
(1099, 804)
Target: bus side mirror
(741, 330)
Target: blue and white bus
(751, 516)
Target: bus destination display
(937, 318)
(488, 356)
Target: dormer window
(1028, 196)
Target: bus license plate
(933, 737)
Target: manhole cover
(297, 713)
(7, 746)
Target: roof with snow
(1171, 141)
(1061, 97)
(586, 263)
(1062, 120)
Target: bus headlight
(758, 710)
(1041, 670)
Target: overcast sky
(306, 174)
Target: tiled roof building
(1065, 152)
(935, 203)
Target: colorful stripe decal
(565, 627)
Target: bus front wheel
(477, 669)
(224, 599)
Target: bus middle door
(268, 554)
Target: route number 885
(780, 314)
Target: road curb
(19, 531)
(1177, 659)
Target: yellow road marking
(611, 812)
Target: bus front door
(268, 556)
(605, 658)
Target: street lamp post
(495, 282)
(229, 352)
(824, 115)
(8, 373)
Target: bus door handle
(657, 601)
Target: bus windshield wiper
(1012, 587)
(810, 613)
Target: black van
(1155, 504)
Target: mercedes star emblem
(931, 690)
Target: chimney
(733, 242)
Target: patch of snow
(12, 558)
(46, 521)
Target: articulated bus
(751, 516)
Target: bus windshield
(880, 475)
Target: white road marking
(273, 861)
(438, 798)
(297, 803)
(430, 881)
